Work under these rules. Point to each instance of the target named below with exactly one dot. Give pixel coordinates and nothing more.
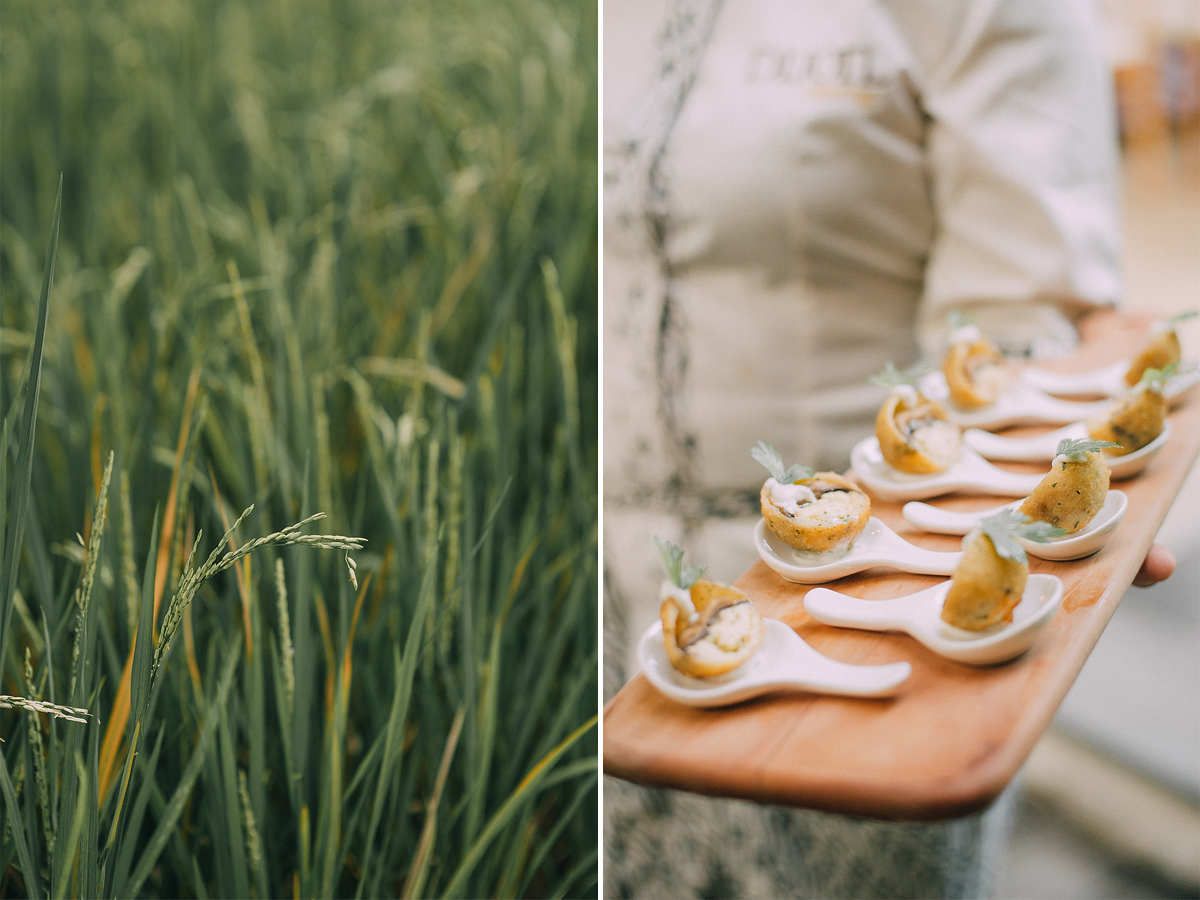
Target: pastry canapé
(975, 369)
(817, 512)
(1074, 489)
(989, 581)
(914, 433)
(1137, 418)
(1161, 349)
(708, 628)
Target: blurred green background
(314, 256)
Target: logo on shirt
(836, 71)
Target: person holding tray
(796, 193)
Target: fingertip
(1158, 566)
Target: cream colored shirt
(791, 185)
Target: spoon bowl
(878, 545)
(783, 662)
(919, 615)
(971, 474)
(1085, 542)
(1108, 381)
(1022, 404)
(1041, 448)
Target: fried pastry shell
(976, 373)
(920, 439)
(1070, 494)
(985, 587)
(727, 632)
(1162, 350)
(832, 522)
(1133, 422)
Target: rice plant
(298, 462)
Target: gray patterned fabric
(669, 844)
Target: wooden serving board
(955, 735)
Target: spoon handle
(1009, 484)
(943, 521)
(834, 608)
(1180, 384)
(896, 551)
(832, 677)
(1031, 449)
(1053, 409)
(1098, 381)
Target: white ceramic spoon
(1022, 404)
(1108, 381)
(878, 545)
(1041, 447)
(783, 662)
(919, 615)
(971, 474)
(1084, 542)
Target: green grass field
(321, 256)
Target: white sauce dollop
(966, 334)
(908, 395)
(789, 497)
(682, 598)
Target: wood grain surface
(955, 735)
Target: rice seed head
(67, 713)
(253, 843)
(221, 559)
(39, 762)
(285, 634)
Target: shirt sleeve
(1023, 172)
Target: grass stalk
(18, 503)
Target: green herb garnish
(1007, 525)
(1170, 322)
(959, 319)
(770, 460)
(683, 577)
(891, 377)
(1156, 379)
(1076, 450)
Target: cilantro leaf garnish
(1155, 379)
(1076, 450)
(890, 377)
(681, 576)
(1005, 526)
(1171, 321)
(769, 458)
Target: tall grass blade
(62, 877)
(143, 645)
(126, 841)
(590, 769)
(585, 868)
(523, 792)
(414, 886)
(89, 836)
(406, 669)
(19, 501)
(174, 808)
(28, 872)
(232, 806)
